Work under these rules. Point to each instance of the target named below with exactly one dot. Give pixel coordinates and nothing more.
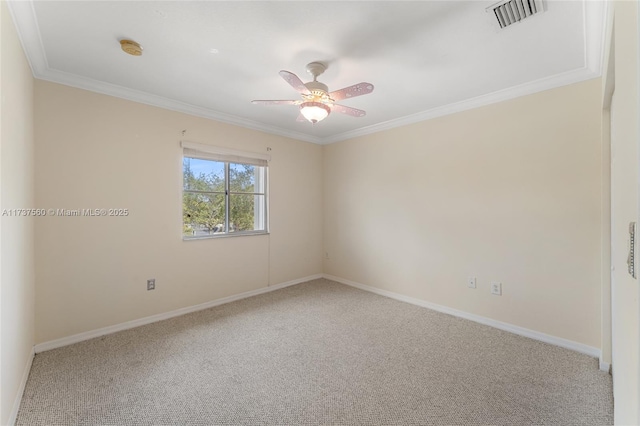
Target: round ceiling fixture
(131, 47)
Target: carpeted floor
(315, 353)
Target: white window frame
(227, 156)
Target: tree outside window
(222, 198)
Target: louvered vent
(513, 11)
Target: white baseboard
(558, 341)
(58, 343)
(13, 415)
(604, 366)
(536, 335)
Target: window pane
(242, 177)
(202, 214)
(203, 175)
(246, 212)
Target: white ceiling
(425, 58)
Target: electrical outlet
(471, 282)
(326, 255)
(496, 288)
(151, 284)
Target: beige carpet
(315, 353)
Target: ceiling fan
(317, 102)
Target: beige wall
(96, 151)
(624, 204)
(16, 233)
(509, 192)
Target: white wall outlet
(471, 282)
(496, 288)
(151, 284)
(326, 255)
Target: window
(224, 192)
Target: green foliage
(241, 208)
(205, 211)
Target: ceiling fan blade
(352, 91)
(268, 102)
(294, 81)
(354, 112)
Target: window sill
(230, 235)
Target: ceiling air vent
(512, 11)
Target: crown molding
(595, 14)
(24, 17)
(595, 29)
(23, 14)
(530, 88)
(92, 85)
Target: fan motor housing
(317, 86)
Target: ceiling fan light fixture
(314, 111)
(317, 102)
